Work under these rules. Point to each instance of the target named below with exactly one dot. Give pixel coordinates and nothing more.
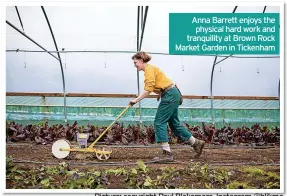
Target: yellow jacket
(155, 80)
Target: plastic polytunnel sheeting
(35, 26)
(113, 28)
(74, 28)
(247, 77)
(78, 28)
(32, 72)
(100, 73)
(257, 9)
(94, 28)
(84, 73)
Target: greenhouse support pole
(211, 95)
(143, 27)
(11, 25)
(141, 17)
(211, 80)
(141, 23)
(62, 71)
(19, 18)
(138, 82)
(223, 59)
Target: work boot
(198, 146)
(164, 157)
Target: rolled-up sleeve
(149, 79)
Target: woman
(156, 81)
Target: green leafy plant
(253, 171)
(273, 176)
(10, 167)
(117, 172)
(238, 185)
(272, 185)
(137, 177)
(204, 170)
(141, 166)
(88, 180)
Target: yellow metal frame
(91, 147)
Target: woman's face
(139, 64)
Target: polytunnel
(67, 63)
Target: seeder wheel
(57, 146)
(103, 154)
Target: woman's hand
(133, 102)
(140, 97)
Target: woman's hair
(143, 56)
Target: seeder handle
(92, 145)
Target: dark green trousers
(167, 112)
